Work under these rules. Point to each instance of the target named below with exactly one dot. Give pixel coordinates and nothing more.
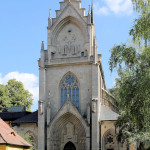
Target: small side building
(10, 140)
(14, 113)
(27, 125)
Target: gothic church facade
(75, 110)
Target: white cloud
(30, 82)
(118, 7)
(101, 10)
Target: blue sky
(23, 26)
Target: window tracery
(109, 140)
(70, 89)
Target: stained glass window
(70, 89)
(77, 97)
(73, 96)
(70, 93)
(65, 94)
(62, 96)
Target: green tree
(132, 91)
(4, 98)
(141, 28)
(142, 6)
(14, 94)
(29, 137)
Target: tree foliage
(29, 137)
(141, 28)
(132, 91)
(4, 98)
(142, 6)
(14, 94)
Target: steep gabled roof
(31, 118)
(9, 136)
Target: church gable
(68, 107)
(69, 41)
(70, 8)
(68, 36)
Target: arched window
(109, 140)
(69, 89)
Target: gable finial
(89, 15)
(50, 13)
(42, 45)
(92, 13)
(89, 9)
(49, 19)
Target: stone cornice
(68, 64)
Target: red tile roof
(9, 136)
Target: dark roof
(17, 108)
(11, 116)
(9, 136)
(31, 118)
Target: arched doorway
(68, 128)
(69, 146)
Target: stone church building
(75, 110)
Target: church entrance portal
(69, 146)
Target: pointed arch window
(109, 140)
(69, 88)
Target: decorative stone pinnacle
(89, 9)
(42, 45)
(50, 13)
(92, 14)
(49, 19)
